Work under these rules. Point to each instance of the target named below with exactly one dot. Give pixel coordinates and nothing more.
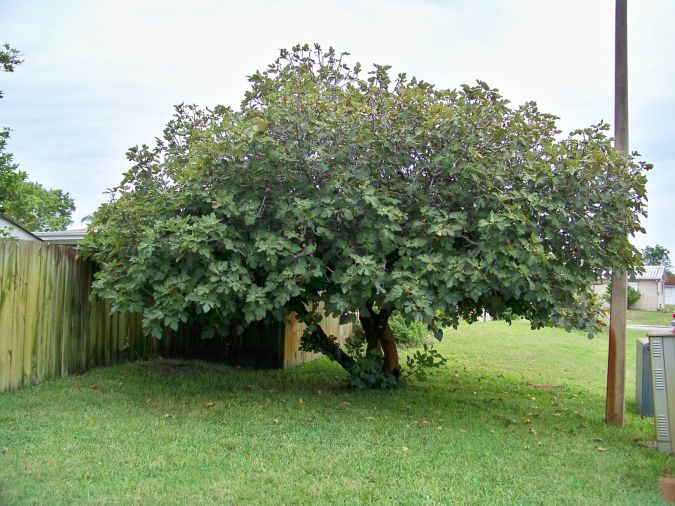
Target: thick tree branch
(320, 342)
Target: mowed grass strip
(659, 318)
(515, 418)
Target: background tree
(657, 255)
(365, 196)
(27, 202)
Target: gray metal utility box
(662, 353)
(643, 379)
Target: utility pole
(616, 363)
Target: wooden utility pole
(616, 363)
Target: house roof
(652, 272)
(68, 237)
(6, 222)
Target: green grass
(482, 431)
(660, 318)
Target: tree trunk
(381, 340)
(373, 343)
(391, 365)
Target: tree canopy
(657, 255)
(26, 202)
(366, 195)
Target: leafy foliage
(26, 202)
(328, 188)
(420, 362)
(366, 372)
(657, 255)
(407, 333)
(9, 58)
(35, 207)
(633, 295)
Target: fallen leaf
(275, 420)
(527, 421)
(93, 386)
(210, 404)
(601, 449)
(532, 431)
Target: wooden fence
(50, 327)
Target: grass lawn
(660, 318)
(515, 418)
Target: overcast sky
(102, 76)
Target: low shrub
(633, 295)
(407, 334)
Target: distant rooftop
(652, 272)
(70, 237)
